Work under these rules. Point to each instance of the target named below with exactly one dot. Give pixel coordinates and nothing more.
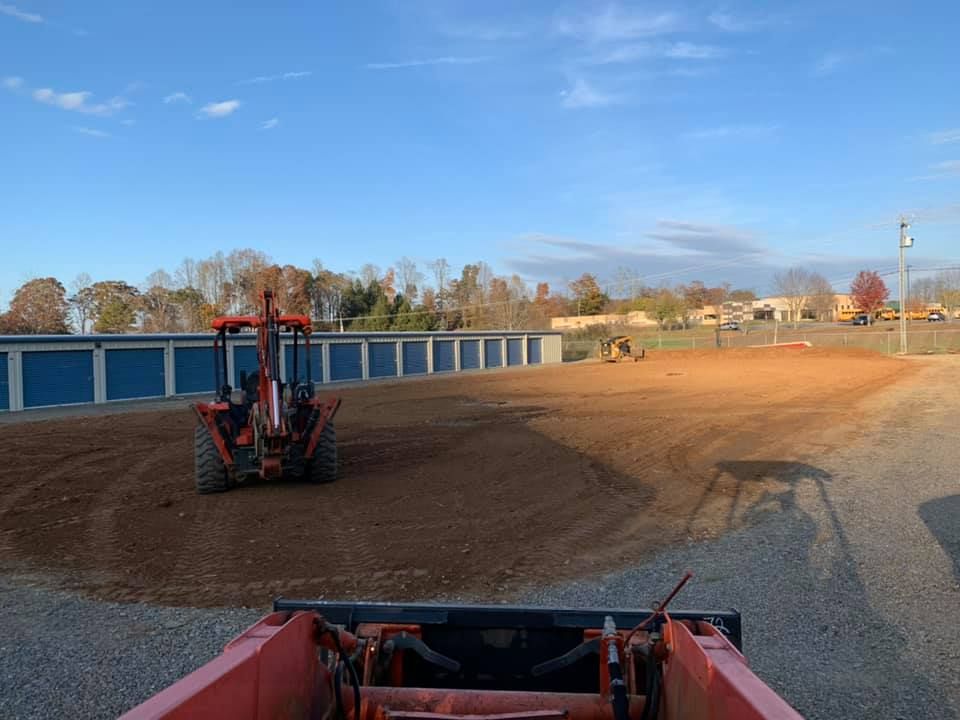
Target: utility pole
(905, 242)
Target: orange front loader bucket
(435, 662)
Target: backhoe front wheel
(211, 473)
(323, 464)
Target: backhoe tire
(323, 465)
(211, 473)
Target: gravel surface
(848, 578)
(63, 656)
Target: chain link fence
(885, 340)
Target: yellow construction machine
(618, 348)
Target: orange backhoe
(266, 428)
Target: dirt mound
(471, 485)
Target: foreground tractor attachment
(370, 661)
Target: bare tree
(948, 289)
(822, 297)
(186, 274)
(409, 278)
(369, 275)
(795, 285)
(441, 275)
(159, 278)
(81, 301)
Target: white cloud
(483, 33)
(77, 101)
(68, 101)
(690, 51)
(281, 76)
(12, 83)
(270, 124)
(617, 23)
(945, 136)
(941, 170)
(177, 97)
(92, 132)
(731, 131)
(584, 95)
(830, 62)
(14, 12)
(738, 24)
(451, 60)
(642, 51)
(219, 109)
(951, 166)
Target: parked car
(730, 326)
(861, 320)
(936, 317)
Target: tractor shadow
(942, 517)
(756, 488)
(787, 539)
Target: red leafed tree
(869, 292)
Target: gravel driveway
(848, 577)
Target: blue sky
(681, 141)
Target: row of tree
(402, 297)
(398, 298)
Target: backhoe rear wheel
(211, 473)
(323, 465)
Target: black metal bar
(296, 373)
(306, 345)
(216, 364)
(223, 354)
(618, 688)
(501, 616)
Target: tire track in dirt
(102, 533)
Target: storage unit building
(38, 371)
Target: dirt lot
(472, 486)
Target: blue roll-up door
(469, 354)
(245, 359)
(382, 359)
(444, 359)
(346, 361)
(534, 351)
(316, 362)
(514, 351)
(4, 383)
(493, 353)
(134, 373)
(193, 369)
(414, 358)
(57, 377)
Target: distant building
(778, 308)
(636, 318)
